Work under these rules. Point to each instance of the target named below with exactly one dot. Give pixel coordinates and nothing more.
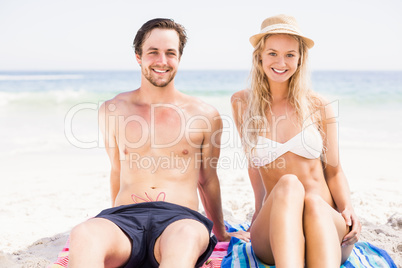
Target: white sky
(98, 34)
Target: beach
(55, 172)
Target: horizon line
(215, 70)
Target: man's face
(160, 57)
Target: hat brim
(257, 37)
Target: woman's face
(280, 58)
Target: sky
(98, 34)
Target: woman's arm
(335, 177)
(258, 188)
(238, 108)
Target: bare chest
(160, 130)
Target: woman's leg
(324, 229)
(277, 232)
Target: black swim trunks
(143, 223)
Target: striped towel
(237, 253)
(215, 260)
(240, 254)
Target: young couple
(303, 212)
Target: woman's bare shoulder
(240, 95)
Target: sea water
(56, 111)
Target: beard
(155, 81)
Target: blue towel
(240, 254)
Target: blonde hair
(259, 97)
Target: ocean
(55, 111)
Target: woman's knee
(289, 186)
(314, 205)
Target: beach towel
(364, 254)
(214, 261)
(62, 258)
(239, 254)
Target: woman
(303, 212)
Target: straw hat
(280, 24)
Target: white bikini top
(307, 143)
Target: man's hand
(356, 227)
(245, 236)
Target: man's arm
(109, 137)
(209, 186)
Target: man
(162, 145)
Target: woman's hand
(355, 227)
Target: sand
(44, 196)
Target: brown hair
(159, 23)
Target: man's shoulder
(119, 101)
(200, 107)
(123, 97)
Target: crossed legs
(293, 227)
(99, 242)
